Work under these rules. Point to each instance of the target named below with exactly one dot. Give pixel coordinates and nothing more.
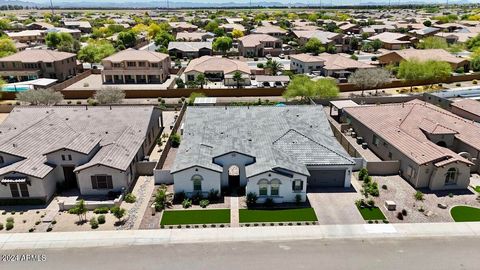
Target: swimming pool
(16, 88)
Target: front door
(234, 181)
(70, 177)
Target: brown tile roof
(428, 54)
(30, 56)
(213, 63)
(468, 105)
(339, 62)
(136, 55)
(404, 126)
(255, 39)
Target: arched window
(451, 176)
(275, 187)
(197, 182)
(263, 187)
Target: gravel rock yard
(402, 193)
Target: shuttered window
(102, 182)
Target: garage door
(326, 178)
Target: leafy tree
(433, 43)
(154, 29)
(236, 33)
(193, 96)
(80, 210)
(163, 38)
(110, 95)
(274, 66)
(376, 45)
(40, 97)
(175, 140)
(414, 70)
(314, 46)
(222, 44)
(354, 43)
(369, 78)
(7, 47)
(427, 23)
(303, 87)
(475, 63)
(53, 39)
(118, 212)
(140, 28)
(211, 26)
(238, 78)
(201, 80)
(95, 51)
(179, 82)
(127, 38)
(473, 43)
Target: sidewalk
(174, 236)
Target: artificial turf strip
(179, 217)
(373, 213)
(465, 213)
(280, 215)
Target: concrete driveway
(335, 206)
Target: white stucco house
(92, 149)
(275, 152)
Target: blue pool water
(18, 88)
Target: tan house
(393, 41)
(218, 69)
(27, 36)
(435, 148)
(467, 108)
(136, 67)
(396, 57)
(194, 36)
(182, 27)
(306, 63)
(326, 38)
(271, 30)
(259, 45)
(34, 64)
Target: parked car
(282, 56)
(268, 56)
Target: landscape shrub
(10, 219)
(196, 198)
(298, 199)
(93, 223)
(175, 140)
(213, 195)
(399, 215)
(101, 210)
(404, 212)
(101, 219)
(418, 196)
(1, 226)
(9, 226)
(130, 198)
(251, 199)
(187, 203)
(474, 82)
(204, 203)
(362, 174)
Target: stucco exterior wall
(438, 177)
(237, 159)
(286, 193)
(183, 180)
(119, 180)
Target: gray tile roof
(32, 132)
(288, 137)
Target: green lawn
(373, 213)
(280, 215)
(477, 189)
(465, 213)
(179, 217)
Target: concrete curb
(31, 241)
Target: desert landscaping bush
(93, 223)
(101, 219)
(101, 210)
(130, 198)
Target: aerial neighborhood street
(298, 136)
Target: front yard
(281, 215)
(464, 213)
(371, 213)
(181, 217)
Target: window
(142, 64)
(2, 160)
(190, 77)
(14, 190)
(297, 185)
(131, 64)
(375, 140)
(49, 65)
(155, 65)
(24, 190)
(263, 187)
(69, 157)
(275, 187)
(102, 182)
(451, 176)
(197, 182)
(390, 155)
(117, 65)
(63, 157)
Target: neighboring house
(377, 29)
(34, 64)
(393, 41)
(339, 66)
(132, 66)
(452, 38)
(229, 27)
(467, 108)
(424, 32)
(274, 152)
(306, 63)
(39, 26)
(271, 30)
(349, 28)
(326, 38)
(194, 36)
(396, 57)
(27, 36)
(178, 27)
(217, 69)
(83, 26)
(189, 49)
(259, 45)
(436, 149)
(94, 149)
(76, 34)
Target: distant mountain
(20, 3)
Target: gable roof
(256, 39)
(137, 55)
(214, 63)
(288, 138)
(427, 54)
(31, 56)
(189, 46)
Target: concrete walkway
(234, 214)
(214, 235)
(143, 191)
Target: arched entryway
(234, 176)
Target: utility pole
(51, 6)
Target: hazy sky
(286, 2)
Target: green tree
(314, 46)
(109, 95)
(433, 43)
(303, 87)
(201, 80)
(53, 39)
(163, 38)
(222, 44)
(475, 63)
(211, 26)
(7, 47)
(414, 70)
(473, 43)
(427, 23)
(127, 38)
(80, 210)
(274, 66)
(376, 44)
(238, 78)
(40, 97)
(118, 212)
(95, 51)
(369, 78)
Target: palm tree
(274, 66)
(237, 76)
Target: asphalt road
(427, 253)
